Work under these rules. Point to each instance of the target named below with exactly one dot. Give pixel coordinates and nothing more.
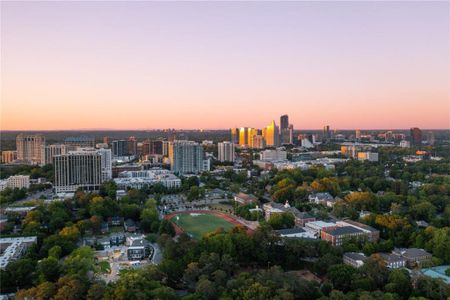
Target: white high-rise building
(29, 148)
(50, 151)
(78, 169)
(226, 151)
(185, 157)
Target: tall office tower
(9, 156)
(235, 135)
(357, 134)
(29, 148)
(73, 142)
(165, 148)
(326, 135)
(271, 135)
(50, 151)
(132, 146)
(243, 136)
(389, 136)
(430, 138)
(119, 148)
(106, 163)
(251, 132)
(106, 140)
(156, 147)
(416, 136)
(78, 169)
(185, 157)
(226, 151)
(284, 122)
(259, 142)
(286, 130)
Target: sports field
(197, 224)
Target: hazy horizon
(217, 65)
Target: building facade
(186, 157)
(29, 148)
(9, 156)
(50, 151)
(226, 151)
(78, 169)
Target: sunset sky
(145, 65)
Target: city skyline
(155, 65)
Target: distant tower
(326, 133)
(416, 136)
(226, 151)
(235, 135)
(358, 134)
(271, 135)
(29, 148)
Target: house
(138, 248)
(354, 259)
(393, 261)
(245, 199)
(413, 256)
(273, 208)
(422, 223)
(296, 233)
(129, 225)
(104, 228)
(115, 221)
(300, 218)
(104, 242)
(337, 235)
(322, 198)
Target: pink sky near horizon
(148, 65)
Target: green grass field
(197, 225)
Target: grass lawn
(196, 225)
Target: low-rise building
(322, 198)
(245, 199)
(337, 235)
(296, 233)
(317, 226)
(393, 261)
(139, 179)
(129, 225)
(22, 211)
(138, 248)
(300, 218)
(371, 233)
(14, 248)
(370, 156)
(413, 256)
(354, 259)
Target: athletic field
(197, 224)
